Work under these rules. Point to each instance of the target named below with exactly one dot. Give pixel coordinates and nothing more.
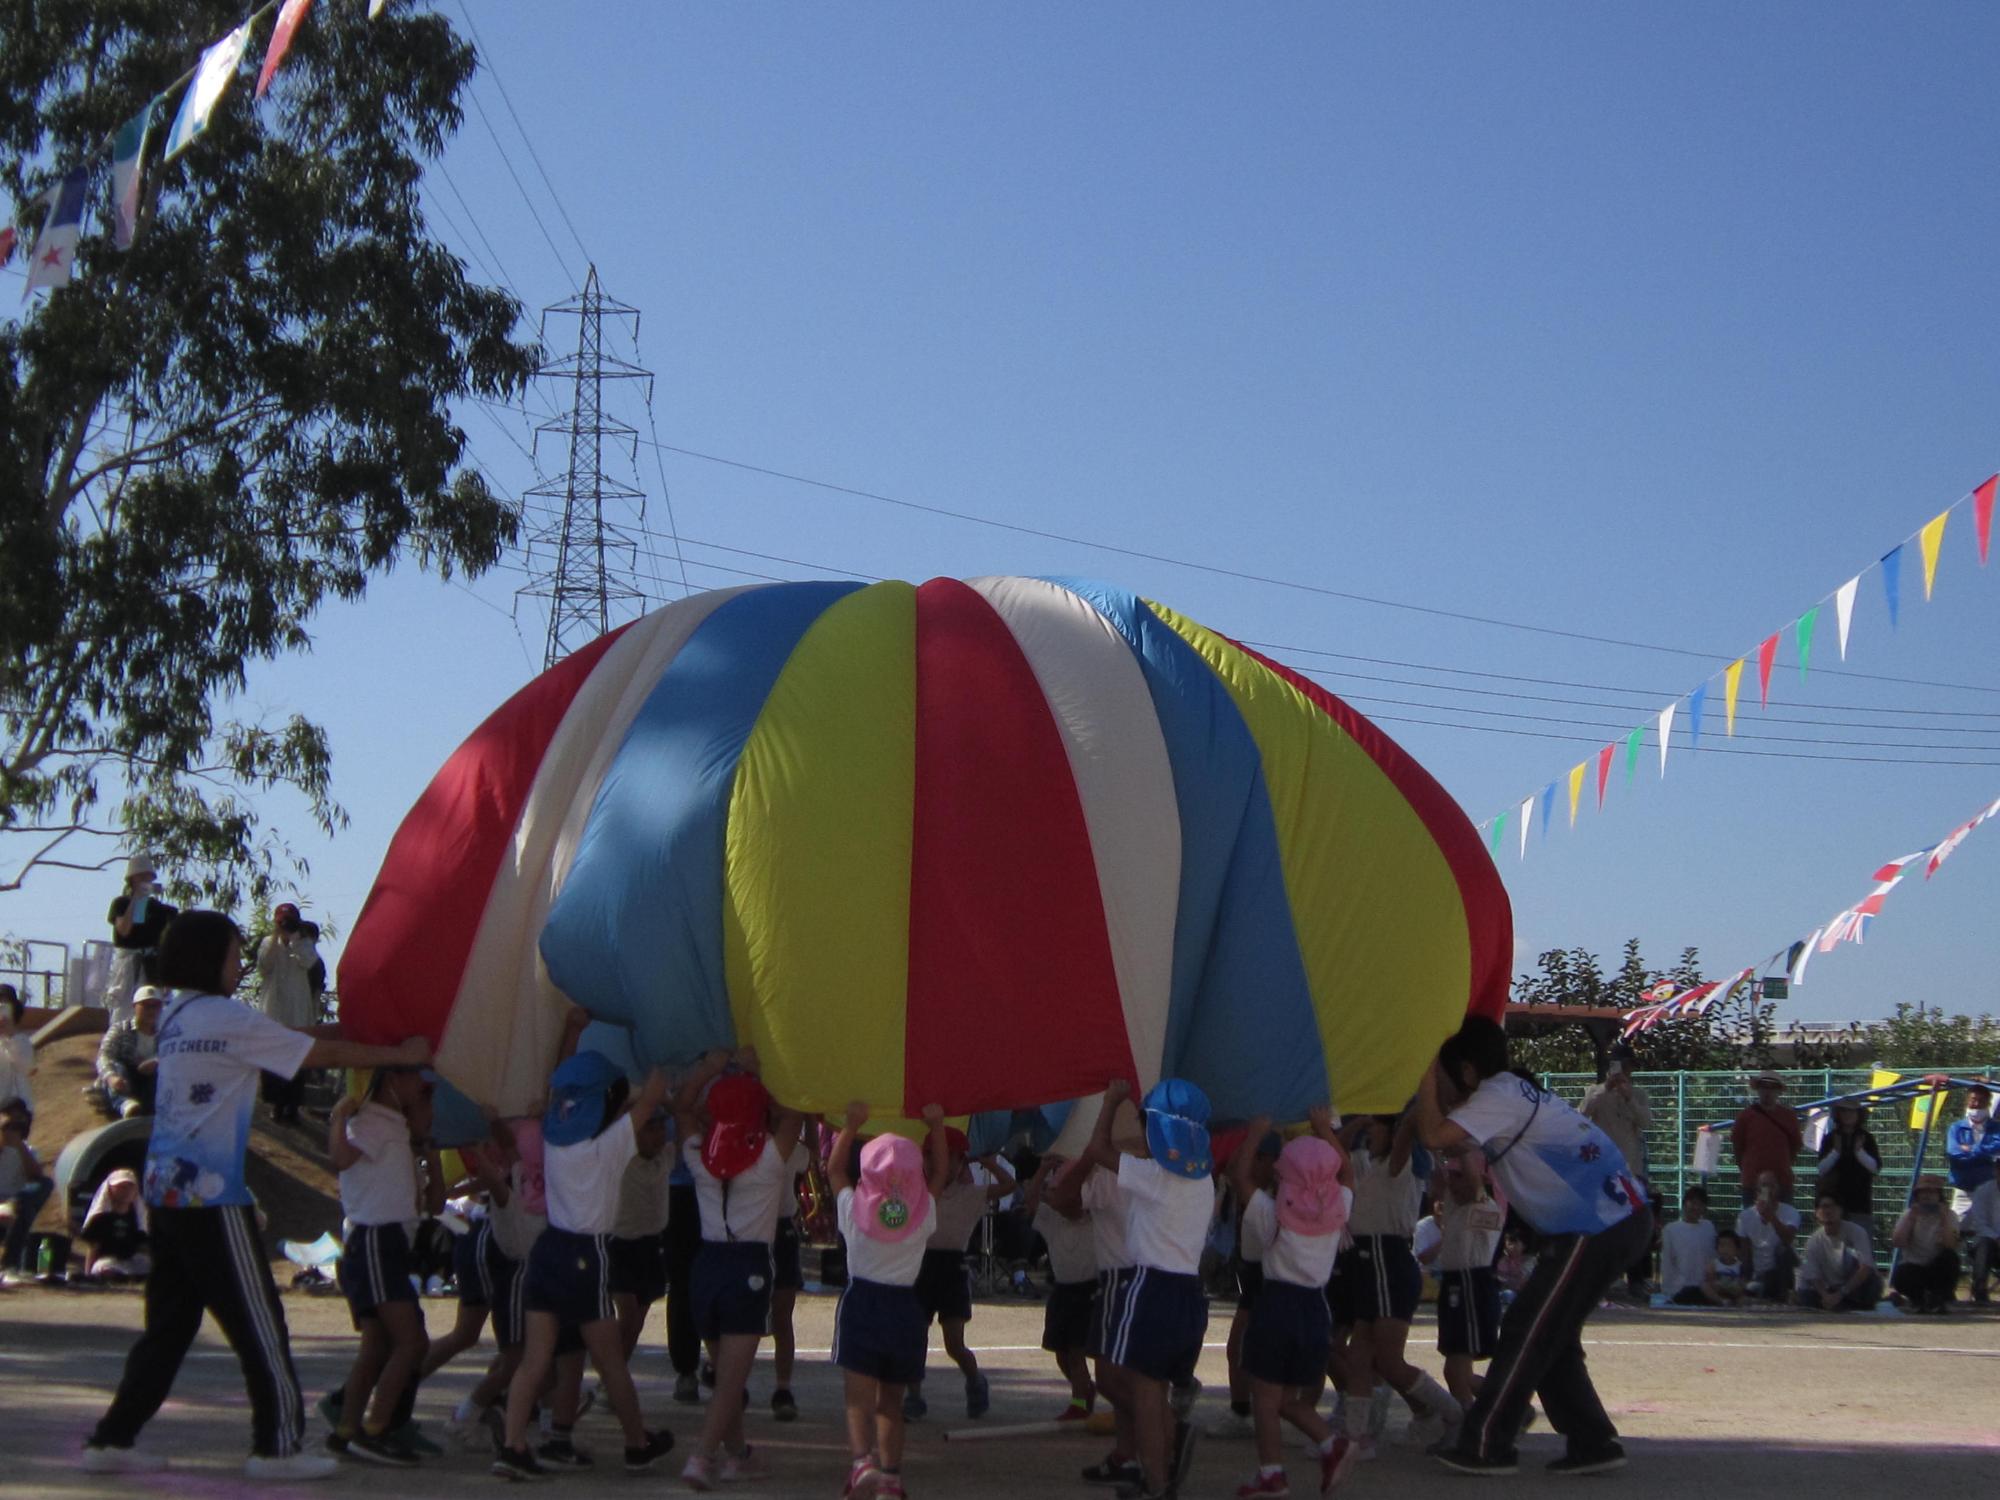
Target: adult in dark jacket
(1849, 1161)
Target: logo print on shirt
(1589, 1151)
(202, 1093)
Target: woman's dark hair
(1696, 1191)
(11, 998)
(192, 950)
(1480, 1044)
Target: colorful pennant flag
(1929, 540)
(1892, 580)
(1604, 772)
(1766, 654)
(1732, 682)
(128, 171)
(1843, 608)
(1632, 743)
(289, 17)
(1666, 734)
(1575, 788)
(1982, 514)
(1548, 802)
(1527, 816)
(1499, 832)
(1804, 632)
(1803, 955)
(53, 254)
(212, 76)
(1695, 701)
(7, 238)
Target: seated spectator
(1768, 1227)
(128, 1058)
(1514, 1266)
(24, 1188)
(114, 1230)
(17, 1054)
(1926, 1275)
(1837, 1271)
(1687, 1253)
(1728, 1284)
(1981, 1226)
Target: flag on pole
(1666, 733)
(1982, 514)
(53, 254)
(281, 41)
(128, 171)
(1843, 609)
(1732, 683)
(1892, 580)
(1930, 539)
(1575, 788)
(1805, 634)
(211, 81)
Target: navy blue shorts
(473, 1265)
(639, 1267)
(787, 1275)
(569, 1275)
(375, 1266)
(1376, 1277)
(1468, 1312)
(944, 1286)
(880, 1331)
(1154, 1323)
(732, 1288)
(1289, 1335)
(1249, 1277)
(1066, 1316)
(1109, 1289)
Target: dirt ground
(1749, 1404)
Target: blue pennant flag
(1892, 579)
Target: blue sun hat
(577, 1091)
(1177, 1127)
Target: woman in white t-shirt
(17, 1053)
(879, 1328)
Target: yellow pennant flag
(1931, 538)
(1575, 790)
(1731, 681)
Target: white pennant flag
(1527, 813)
(212, 76)
(1666, 731)
(1843, 607)
(1805, 956)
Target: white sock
(1357, 1420)
(1436, 1400)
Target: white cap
(140, 864)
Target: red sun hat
(739, 1110)
(955, 1143)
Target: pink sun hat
(1311, 1199)
(890, 1199)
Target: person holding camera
(138, 917)
(1926, 1274)
(285, 961)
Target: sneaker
(783, 1407)
(656, 1447)
(687, 1390)
(411, 1435)
(915, 1408)
(1462, 1462)
(864, 1480)
(698, 1473)
(1267, 1485)
(292, 1466)
(1336, 1463)
(1233, 1424)
(380, 1448)
(978, 1398)
(1114, 1470)
(104, 1458)
(891, 1487)
(742, 1466)
(561, 1453)
(1180, 1459)
(517, 1463)
(1601, 1460)
(1076, 1411)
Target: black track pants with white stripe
(210, 1260)
(1541, 1343)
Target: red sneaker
(1266, 1486)
(864, 1480)
(1075, 1413)
(1335, 1462)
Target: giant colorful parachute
(982, 843)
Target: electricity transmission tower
(591, 581)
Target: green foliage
(204, 439)
(1917, 1036)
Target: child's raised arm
(1243, 1156)
(843, 1147)
(1320, 1119)
(1064, 1192)
(1100, 1151)
(939, 1174)
(1004, 1181)
(687, 1099)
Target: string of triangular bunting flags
(1929, 540)
(1848, 925)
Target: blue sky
(1652, 324)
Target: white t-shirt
(1253, 1231)
(1686, 1253)
(381, 1188)
(1167, 1215)
(1385, 1202)
(753, 1198)
(1469, 1234)
(1295, 1259)
(17, 1061)
(1072, 1245)
(1429, 1236)
(1105, 1204)
(642, 1196)
(515, 1226)
(960, 1207)
(1561, 1173)
(583, 1181)
(871, 1259)
(212, 1052)
(1830, 1261)
(1762, 1238)
(796, 1166)
(14, 1168)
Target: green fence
(1684, 1102)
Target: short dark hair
(192, 950)
(1697, 1191)
(11, 998)
(1728, 1234)
(1480, 1043)
(1833, 1198)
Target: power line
(478, 229)
(1581, 739)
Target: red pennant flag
(1871, 906)
(281, 41)
(1982, 514)
(7, 237)
(1603, 771)
(1766, 654)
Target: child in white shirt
(1687, 1253)
(944, 1286)
(1066, 1317)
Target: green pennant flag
(1632, 742)
(1805, 629)
(1499, 832)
